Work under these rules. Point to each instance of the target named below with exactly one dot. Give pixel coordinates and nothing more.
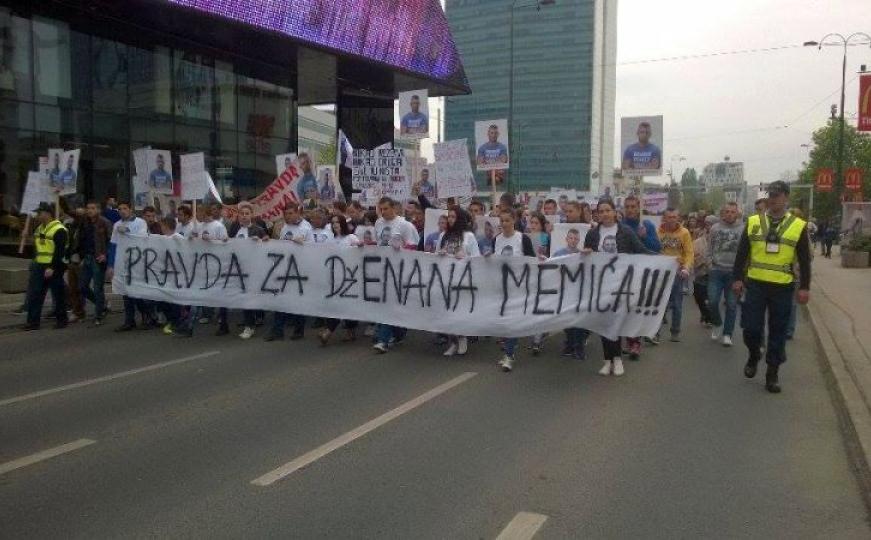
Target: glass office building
(562, 131)
(111, 77)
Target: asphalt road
(681, 447)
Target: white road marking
(340, 441)
(105, 378)
(44, 455)
(523, 527)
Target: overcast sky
(711, 104)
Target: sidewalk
(841, 313)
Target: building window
(61, 64)
(16, 77)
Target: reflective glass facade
(554, 138)
(64, 87)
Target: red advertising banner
(865, 103)
(853, 179)
(825, 179)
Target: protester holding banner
(244, 228)
(133, 226)
(511, 243)
(298, 230)
(392, 230)
(646, 231)
(576, 338)
(610, 236)
(458, 241)
(342, 237)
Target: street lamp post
(846, 42)
(514, 5)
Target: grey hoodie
(724, 240)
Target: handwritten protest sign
(453, 169)
(194, 182)
(612, 295)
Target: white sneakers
(460, 347)
(380, 347)
(715, 333)
(727, 341)
(507, 363)
(612, 367)
(247, 333)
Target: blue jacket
(651, 239)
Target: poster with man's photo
(641, 145)
(414, 114)
(327, 183)
(55, 166)
(366, 234)
(486, 229)
(283, 162)
(491, 145)
(159, 167)
(568, 238)
(435, 223)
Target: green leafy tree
(824, 154)
(690, 198)
(327, 155)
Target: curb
(853, 415)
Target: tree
(327, 155)
(824, 154)
(690, 199)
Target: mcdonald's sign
(853, 179)
(865, 103)
(825, 179)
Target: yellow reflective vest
(44, 241)
(772, 256)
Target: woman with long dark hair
(342, 237)
(611, 236)
(458, 241)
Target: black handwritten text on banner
(611, 295)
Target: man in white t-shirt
(186, 224)
(133, 226)
(297, 230)
(392, 230)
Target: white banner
(453, 169)
(612, 295)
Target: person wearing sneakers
(723, 243)
(764, 268)
(511, 243)
(458, 241)
(394, 231)
(297, 230)
(343, 238)
(646, 231)
(610, 236)
(676, 242)
(244, 228)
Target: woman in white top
(458, 241)
(342, 237)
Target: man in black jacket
(243, 228)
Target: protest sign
(454, 172)
(63, 174)
(414, 114)
(491, 142)
(435, 223)
(194, 183)
(327, 189)
(140, 185)
(55, 167)
(159, 167)
(641, 145)
(568, 238)
(381, 172)
(282, 162)
(612, 295)
(655, 203)
(36, 190)
(486, 228)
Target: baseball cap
(45, 207)
(778, 187)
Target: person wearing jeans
(724, 239)
(676, 242)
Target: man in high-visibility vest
(769, 247)
(47, 269)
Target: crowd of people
(719, 257)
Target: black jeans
(332, 324)
(248, 317)
(700, 294)
(776, 300)
(612, 348)
(37, 288)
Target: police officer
(770, 245)
(47, 269)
